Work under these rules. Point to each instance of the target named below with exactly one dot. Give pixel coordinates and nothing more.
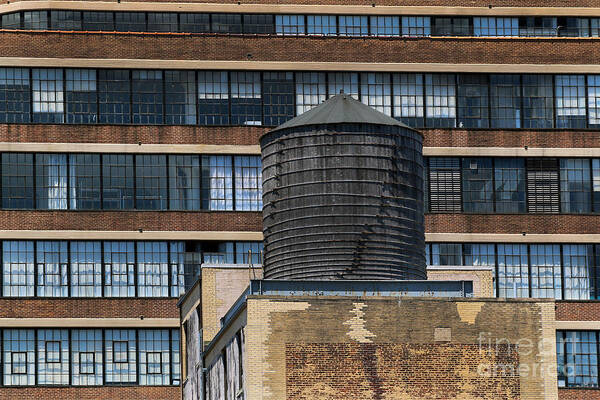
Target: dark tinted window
(81, 95)
(114, 96)
(147, 97)
(278, 97)
(537, 101)
(84, 181)
(184, 182)
(162, 22)
(505, 98)
(195, 23)
(65, 20)
(17, 180)
(151, 182)
(180, 97)
(98, 21)
(477, 185)
(473, 101)
(15, 95)
(130, 22)
(213, 98)
(226, 23)
(35, 20)
(259, 24)
(117, 181)
(11, 21)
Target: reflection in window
(52, 264)
(446, 254)
(11, 21)
(545, 271)
(325, 25)
(289, 25)
(218, 253)
(47, 91)
(575, 185)
(213, 98)
(353, 25)
(570, 101)
(17, 180)
(151, 182)
(246, 98)
(513, 271)
(81, 96)
(538, 26)
(65, 20)
(180, 98)
(477, 185)
(416, 26)
(130, 22)
(473, 101)
(376, 91)
(51, 181)
(162, 22)
(278, 97)
(121, 356)
(573, 27)
(479, 255)
(35, 20)
(509, 180)
(596, 184)
(155, 361)
(505, 101)
(226, 23)
(451, 26)
(594, 101)
(114, 96)
(14, 95)
(53, 357)
(146, 97)
(177, 252)
(86, 357)
(117, 181)
(18, 354)
(98, 21)
(408, 99)
(310, 90)
(385, 26)
(259, 24)
(217, 189)
(248, 253)
(343, 82)
(184, 182)
(194, 23)
(577, 261)
(84, 181)
(537, 101)
(496, 26)
(248, 183)
(86, 269)
(152, 269)
(119, 265)
(17, 269)
(441, 100)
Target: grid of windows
(17, 180)
(495, 26)
(18, 356)
(14, 95)
(52, 269)
(376, 91)
(226, 23)
(570, 101)
(311, 90)
(416, 26)
(51, 181)
(130, 22)
(81, 96)
(65, 20)
(11, 21)
(513, 271)
(98, 21)
(325, 25)
(451, 26)
(577, 262)
(505, 101)
(213, 98)
(545, 271)
(147, 97)
(277, 97)
(86, 269)
(248, 252)
(446, 254)
(84, 181)
(538, 26)
(593, 101)
(473, 101)
(121, 356)
(180, 98)
(194, 23)
(509, 185)
(537, 101)
(53, 357)
(35, 20)
(246, 98)
(184, 182)
(17, 269)
(596, 184)
(151, 182)
(155, 362)
(289, 25)
(343, 82)
(178, 260)
(162, 22)
(408, 99)
(577, 356)
(259, 24)
(385, 26)
(47, 95)
(86, 357)
(353, 25)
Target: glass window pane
(51, 181)
(513, 271)
(194, 23)
(446, 254)
(184, 182)
(322, 25)
(130, 22)
(117, 182)
(121, 356)
(84, 181)
(213, 98)
(151, 182)
(248, 253)
(53, 357)
(98, 21)
(152, 269)
(162, 22)
(52, 265)
(495, 26)
(577, 261)
(35, 20)
(263, 24)
(81, 95)
(509, 180)
(86, 269)
(226, 23)
(310, 90)
(17, 180)
(408, 99)
(545, 271)
(14, 95)
(17, 269)
(246, 98)
(217, 183)
(473, 101)
(48, 105)
(575, 185)
(86, 357)
(289, 25)
(114, 96)
(248, 183)
(180, 101)
(146, 97)
(416, 26)
(353, 25)
(119, 266)
(65, 20)
(570, 101)
(385, 26)
(11, 21)
(441, 100)
(477, 185)
(343, 82)
(537, 101)
(505, 99)
(18, 355)
(155, 362)
(376, 91)
(278, 97)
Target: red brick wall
(92, 393)
(578, 311)
(578, 394)
(88, 308)
(316, 49)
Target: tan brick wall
(483, 280)
(92, 393)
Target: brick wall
(92, 393)
(315, 49)
(578, 394)
(578, 311)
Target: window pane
(594, 100)
(86, 357)
(441, 100)
(119, 265)
(408, 99)
(11, 21)
(495, 26)
(146, 97)
(448, 26)
(444, 185)
(217, 185)
(52, 265)
(48, 105)
(51, 181)
(477, 185)
(14, 95)
(538, 26)
(162, 22)
(86, 269)
(213, 98)
(84, 181)
(509, 179)
(218, 253)
(385, 26)
(151, 182)
(17, 269)
(248, 183)
(505, 99)
(570, 101)
(226, 23)
(473, 101)
(130, 22)
(175, 352)
(596, 184)
(53, 357)
(289, 25)
(184, 182)
(82, 100)
(575, 185)
(117, 181)
(353, 25)
(259, 24)
(65, 20)
(343, 82)
(310, 90)
(18, 354)
(180, 107)
(513, 271)
(542, 185)
(573, 27)
(321, 25)
(376, 91)
(446, 254)
(121, 356)
(479, 255)
(153, 271)
(194, 23)
(114, 96)
(537, 101)
(248, 253)
(17, 180)
(35, 20)
(416, 26)
(577, 261)
(545, 271)
(178, 262)
(246, 98)
(155, 362)
(581, 367)
(278, 97)
(98, 21)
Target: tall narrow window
(51, 181)
(48, 104)
(53, 357)
(263, 24)
(130, 22)
(376, 91)
(594, 100)
(444, 185)
(505, 99)
(114, 96)
(155, 361)
(473, 101)
(289, 25)
(17, 180)
(162, 22)
(542, 185)
(477, 185)
(177, 253)
(52, 269)
(147, 97)
(17, 269)
(18, 356)
(184, 182)
(416, 26)
(81, 96)
(86, 269)
(86, 357)
(310, 90)
(14, 95)
(213, 98)
(385, 26)
(495, 26)
(513, 271)
(570, 101)
(325, 25)
(98, 21)
(575, 185)
(226, 23)
(509, 180)
(194, 23)
(446, 254)
(65, 20)
(121, 356)
(441, 100)
(151, 182)
(84, 181)
(596, 184)
(248, 183)
(246, 98)
(175, 354)
(537, 101)
(152, 269)
(117, 182)
(346, 82)
(278, 97)
(180, 98)
(353, 25)
(545, 271)
(119, 269)
(217, 183)
(577, 261)
(408, 99)
(35, 20)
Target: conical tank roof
(341, 109)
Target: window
(425, 185)
(509, 180)
(343, 82)
(577, 262)
(446, 254)
(577, 355)
(65, 20)
(353, 25)
(542, 185)
(18, 348)
(180, 99)
(248, 183)
(86, 269)
(17, 180)
(213, 98)
(278, 97)
(444, 185)
(51, 181)
(310, 90)
(184, 182)
(570, 101)
(505, 101)
(477, 185)
(538, 26)
(376, 91)
(81, 96)
(53, 357)
(289, 25)
(217, 185)
(119, 265)
(573, 27)
(513, 271)
(593, 101)
(11, 21)
(52, 266)
(47, 88)
(17, 269)
(162, 22)
(408, 99)
(416, 26)
(385, 26)
(154, 357)
(14, 95)
(441, 100)
(259, 24)
(152, 269)
(98, 21)
(496, 26)
(473, 101)
(226, 23)
(447, 26)
(117, 181)
(121, 360)
(248, 253)
(479, 255)
(35, 20)
(596, 184)
(84, 181)
(178, 261)
(325, 25)
(575, 185)
(130, 22)
(175, 359)
(147, 97)
(245, 98)
(86, 357)
(537, 101)
(114, 96)
(194, 23)
(218, 253)
(151, 182)
(545, 271)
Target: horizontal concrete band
(298, 8)
(511, 238)
(510, 152)
(577, 325)
(129, 148)
(89, 323)
(298, 65)
(129, 235)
